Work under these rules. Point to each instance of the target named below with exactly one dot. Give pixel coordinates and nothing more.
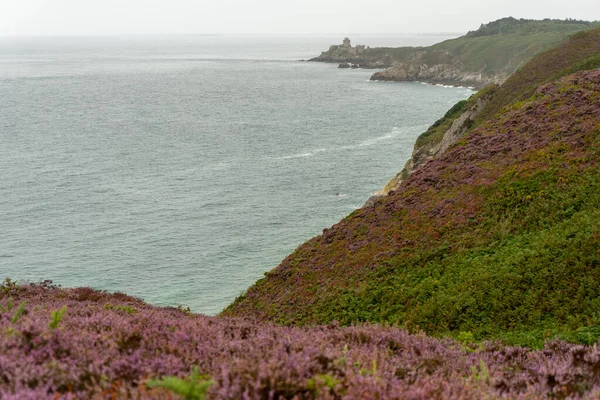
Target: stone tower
(346, 43)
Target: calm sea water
(180, 169)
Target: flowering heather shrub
(500, 236)
(105, 353)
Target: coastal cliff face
(446, 74)
(438, 139)
(495, 234)
(499, 232)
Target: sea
(181, 168)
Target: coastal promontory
(487, 55)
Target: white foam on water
(302, 155)
(373, 141)
(365, 143)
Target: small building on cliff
(347, 47)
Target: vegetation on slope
(80, 343)
(580, 52)
(439, 136)
(499, 237)
(488, 55)
(504, 45)
(524, 26)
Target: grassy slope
(506, 44)
(498, 237)
(582, 51)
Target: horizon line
(100, 35)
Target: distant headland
(488, 55)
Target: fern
(19, 312)
(126, 309)
(193, 387)
(57, 316)
(9, 305)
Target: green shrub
(125, 309)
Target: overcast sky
(107, 17)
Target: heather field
(81, 343)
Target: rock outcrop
(446, 74)
(348, 56)
(343, 58)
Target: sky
(113, 17)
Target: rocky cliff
(488, 55)
(445, 74)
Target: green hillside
(498, 238)
(506, 44)
(580, 52)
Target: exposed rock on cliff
(439, 137)
(447, 74)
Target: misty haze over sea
(181, 168)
